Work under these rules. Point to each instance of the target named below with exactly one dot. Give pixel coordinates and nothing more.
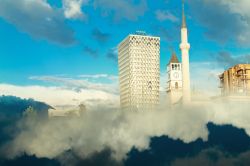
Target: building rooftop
(238, 66)
(174, 58)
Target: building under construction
(236, 81)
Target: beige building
(236, 81)
(139, 72)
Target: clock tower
(174, 83)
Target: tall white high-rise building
(184, 47)
(139, 72)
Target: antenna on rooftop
(143, 33)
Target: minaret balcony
(184, 46)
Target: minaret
(185, 46)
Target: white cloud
(115, 129)
(88, 82)
(165, 15)
(38, 19)
(224, 20)
(121, 131)
(240, 6)
(73, 9)
(59, 96)
(98, 76)
(122, 9)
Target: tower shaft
(185, 46)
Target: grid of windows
(139, 72)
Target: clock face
(176, 75)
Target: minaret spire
(185, 46)
(184, 24)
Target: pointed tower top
(174, 58)
(184, 25)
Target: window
(175, 66)
(176, 85)
(150, 85)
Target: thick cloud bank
(120, 131)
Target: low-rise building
(236, 81)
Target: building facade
(174, 83)
(139, 72)
(236, 81)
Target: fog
(119, 130)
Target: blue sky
(68, 38)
